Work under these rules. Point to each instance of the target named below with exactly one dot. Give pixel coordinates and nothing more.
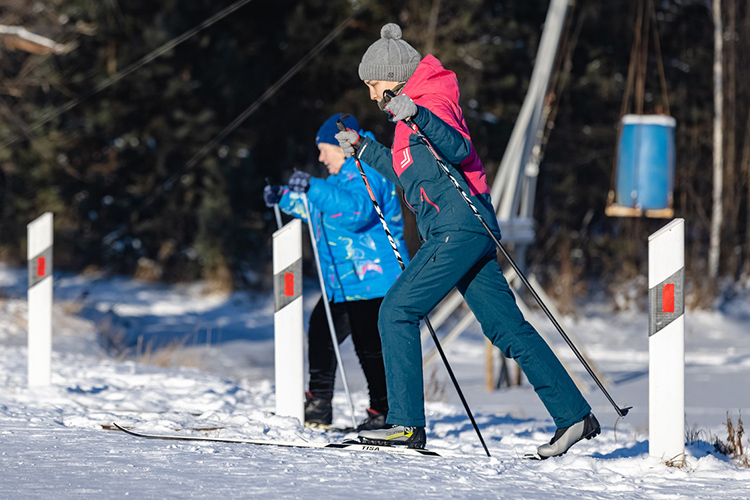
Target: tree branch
(18, 37)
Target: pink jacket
(436, 89)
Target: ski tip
(123, 429)
(533, 456)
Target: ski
(107, 427)
(346, 445)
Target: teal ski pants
(467, 261)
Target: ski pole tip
(624, 411)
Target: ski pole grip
(342, 128)
(388, 94)
(340, 123)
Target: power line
(130, 69)
(249, 111)
(116, 234)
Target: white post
(288, 320)
(666, 343)
(39, 254)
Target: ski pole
(327, 307)
(620, 411)
(276, 209)
(278, 215)
(400, 260)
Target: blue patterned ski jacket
(356, 257)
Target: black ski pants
(358, 318)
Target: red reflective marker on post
(289, 284)
(667, 298)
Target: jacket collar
(431, 78)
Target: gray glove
(402, 108)
(349, 142)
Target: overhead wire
(205, 150)
(195, 160)
(127, 71)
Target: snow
(219, 382)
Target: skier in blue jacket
(358, 267)
(457, 251)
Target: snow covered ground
(54, 441)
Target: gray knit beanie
(389, 59)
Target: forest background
(140, 185)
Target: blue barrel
(645, 162)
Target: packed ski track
(56, 441)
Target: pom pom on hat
(391, 31)
(389, 59)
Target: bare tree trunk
(565, 298)
(745, 165)
(733, 193)
(716, 217)
(489, 365)
(432, 27)
(745, 168)
(111, 58)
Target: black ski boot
(565, 437)
(374, 420)
(412, 437)
(318, 411)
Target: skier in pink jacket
(456, 250)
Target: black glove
(299, 182)
(272, 194)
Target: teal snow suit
(456, 251)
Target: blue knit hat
(329, 129)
